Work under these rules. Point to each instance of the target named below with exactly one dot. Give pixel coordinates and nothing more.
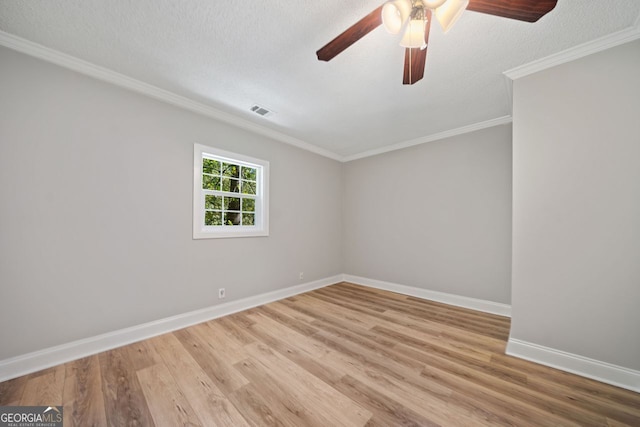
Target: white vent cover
(262, 111)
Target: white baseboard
(451, 299)
(46, 358)
(575, 364)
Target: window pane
(212, 218)
(232, 203)
(231, 185)
(210, 182)
(231, 170)
(248, 205)
(248, 219)
(212, 202)
(211, 166)
(232, 218)
(229, 194)
(248, 173)
(248, 187)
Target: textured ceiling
(232, 54)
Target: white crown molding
(451, 299)
(39, 51)
(430, 138)
(42, 52)
(46, 358)
(575, 364)
(508, 84)
(104, 74)
(588, 48)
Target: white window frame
(261, 227)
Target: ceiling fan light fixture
(395, 14)
(414, 34)
(416, 24)
(449, 12)
(433, 4)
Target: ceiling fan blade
(415, 59)
(414, 62)
(351, 35)
(522, 10)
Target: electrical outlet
(301, 276)
(221, 293)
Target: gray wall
(576, 207)
(96, 210)
(434, 216)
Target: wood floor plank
(610, 408)
(614, 423)
(376, 322)
(512, 411)
(282, 400)
(262, 410)
(45, 388)
(518, 391)
(229, 349)
(11, 391)
(338, 409)
(267, 326)
(443, 331)
(300, 327)
(283, 308)
(366, 291)
(387, 411)
(457, 337)
(210, 360)
(425, 348)
(167, 403)
(585, 386)
(340, 355)
(208, 401)
(306, 353)
(355, 313)
(368, 341)
(236, 329)
(140, 355)
(240, 319)
(471, 322)
(124, 402)
(429, 399)
(83, 400)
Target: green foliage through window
(230, 194)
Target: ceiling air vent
(262, 111)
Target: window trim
(261, 227)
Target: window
(230, 194)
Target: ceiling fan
(414, 17)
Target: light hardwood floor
(341, 355)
